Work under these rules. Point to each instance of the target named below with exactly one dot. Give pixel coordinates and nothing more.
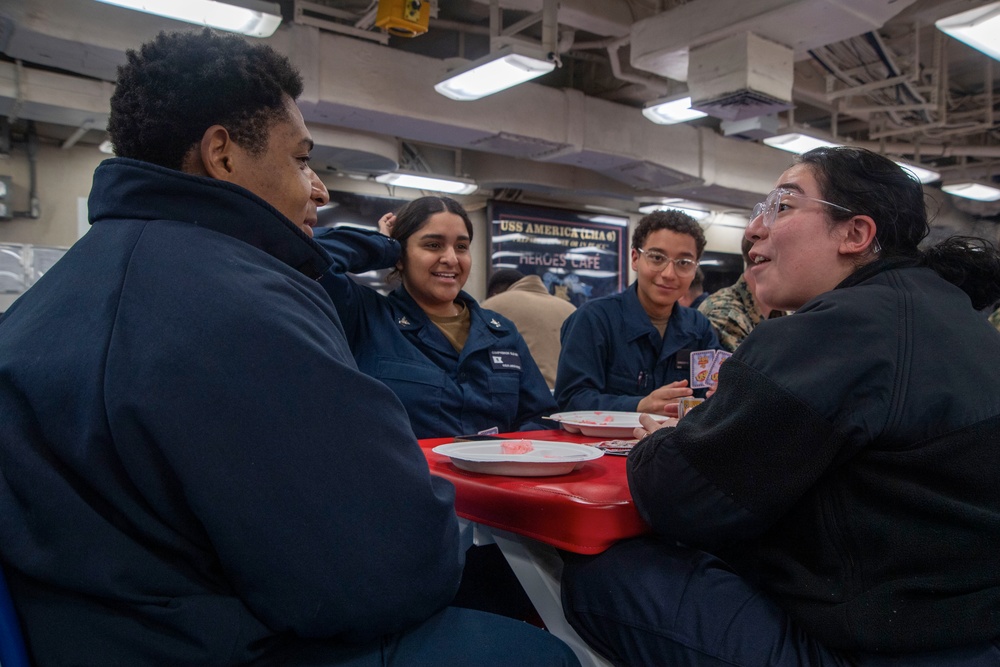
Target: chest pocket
(415, 385)
(505, 382)
(624, 383)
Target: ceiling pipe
(659, 86)
(85, 127)
(931, 151)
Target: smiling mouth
(447, 276)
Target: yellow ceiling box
(403, 18)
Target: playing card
(701, 367)
(685, 404)
(713, 375)
(617, 447)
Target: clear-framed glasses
(776, 199)
(683, 266)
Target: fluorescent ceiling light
(248, 17)
(923, 174)
(971, 190)
(671, 110)
(796, 142)
(409, 179)
(509, 66)
(979, 28)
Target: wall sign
(579, 256)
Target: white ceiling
(578, 132)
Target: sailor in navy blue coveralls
(613, 356)
(492, 382)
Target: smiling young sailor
(624, 351)
(456, 367)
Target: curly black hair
(675, 221)
(180, 84)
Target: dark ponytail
(867, 183)
(971, 263)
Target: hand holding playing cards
(663, 401)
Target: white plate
(547, 458)
(605, 423)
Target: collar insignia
(495, 323)
(403, 322)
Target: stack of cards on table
(616, 447)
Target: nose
(320, 194)
(669, 267)
(756, 229)
(449, 256)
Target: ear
(217, 153)
(860, 235)
(635, 259)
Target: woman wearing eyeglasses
(837, 497)
(628, 351)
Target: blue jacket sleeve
(354, 251)
(582, 377)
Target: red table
(585, 511)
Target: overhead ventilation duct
(758, 127)
(661, 44)
(740, 77)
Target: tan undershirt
(661, 325)
(456, 327)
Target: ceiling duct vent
(517, 145)
(647, 175)
(741, 76)
(758, 127)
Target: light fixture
(798, 142)
(417, 181)
(979, 28)
(508, 66)
(972, 190)
(248, 17)
(671, 110)
(923, 174)
(106, 147)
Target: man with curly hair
(629, 351)
(194, 470)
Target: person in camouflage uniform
(734, 311)
(995, 319)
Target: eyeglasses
(683, 266)
(772, 205)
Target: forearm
(727, 472)
(357, 250)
